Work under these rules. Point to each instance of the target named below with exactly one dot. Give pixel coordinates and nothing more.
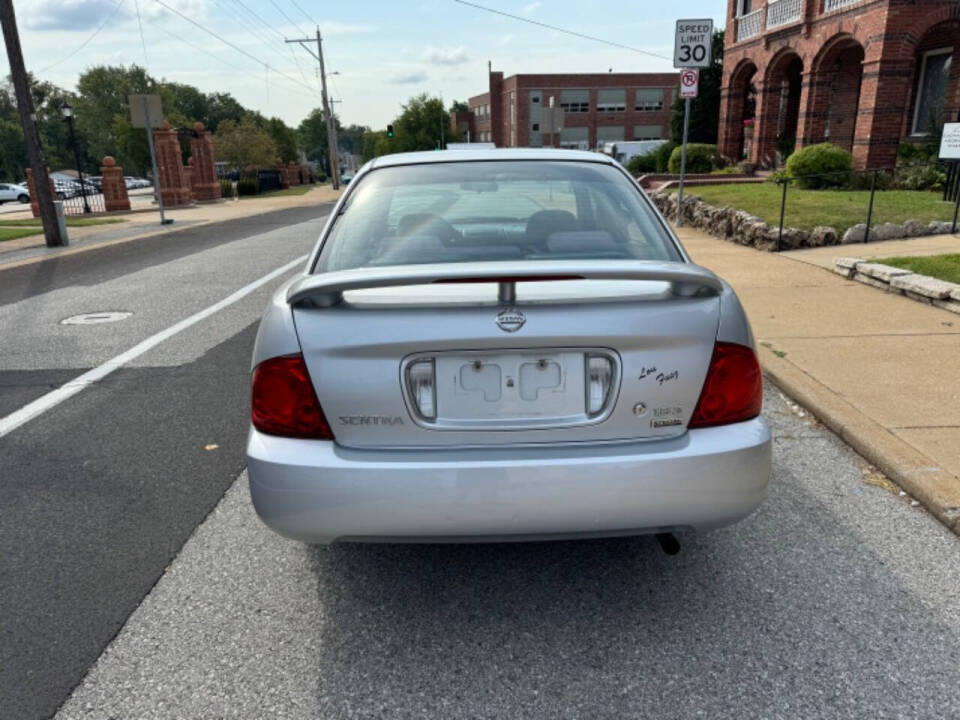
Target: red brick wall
(891, 33)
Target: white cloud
(72, 15)
(531, 8)
(445, 55)
(408, 78)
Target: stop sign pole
(691, 50)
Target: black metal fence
(934, 178)
(76, 202)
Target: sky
(384, 51)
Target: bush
(226, 188)
(642, 164)
(830, 163)
(248, 186)
(701, 158)
(321, 178)
(662, 155)
(864, 181)
(923, 177)
(729, 170)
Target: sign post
(950, 150)
(146, 111)
(691, 49)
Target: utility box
(61, 220)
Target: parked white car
(14, 193)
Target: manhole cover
(96, 318)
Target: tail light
(284, 402)
(733, 390)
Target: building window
(575, 137)
(575, 101)
(649, 100)
(611, 100)
(647, 132)
(609, 133)
(931, 90)
(535, 127)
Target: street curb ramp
(918, 475)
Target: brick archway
(778, 106)
(738, 104)
(936, 38)
(833, 93)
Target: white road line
(39, 406)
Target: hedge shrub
(226, 188)
(827, 161)
(248, 186)
(701, 158)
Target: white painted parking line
(39, 406)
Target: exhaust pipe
(668, 543)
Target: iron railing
(877, 181)
(829, 5)
(749, 25)
(783, 12)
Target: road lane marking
(53, 398)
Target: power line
(230, 44)
(297, 6)
(86, 42)
(563, 30)
(143, 43)
(260, 19)
(289, 19)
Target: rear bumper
(318, 492)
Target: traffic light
(389, 131)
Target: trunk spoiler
(326, 289)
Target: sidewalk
(881, 371)
(139, 225)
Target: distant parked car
(9, 193)
(133, 183)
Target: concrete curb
(916, 473)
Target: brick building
(596, 108)
(863, 74)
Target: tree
(421, 124)
(458, 106)
(285, 138)
(350, 138)
(243, 145)
(705, 108)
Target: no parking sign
(689, 83)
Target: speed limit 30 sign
(692, 45)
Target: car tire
(61, 196)
(24, 198)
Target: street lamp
(67, 111)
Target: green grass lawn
(837, 208)
(295, 190)
(944, 267)
(12, 233)
(71, 222)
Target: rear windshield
(482, 211)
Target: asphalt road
(838, 598)
(98, 494)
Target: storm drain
(96, 318)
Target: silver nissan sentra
(503, 345)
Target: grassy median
(943, 267)
(839, 209)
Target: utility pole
(327, 114)
(28, 117)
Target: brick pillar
(731, 124)
(293, 174)
(814, 104)
(284, 180)
(884, 95)
(764, 150)
(114, 188)
(34, 204)
(188, 174)
(173, 181)
(205, 185)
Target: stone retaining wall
(741, 227)
(922, 288)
